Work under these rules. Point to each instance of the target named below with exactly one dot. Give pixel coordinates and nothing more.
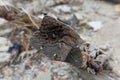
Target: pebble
(2, 21)
(63, 8)
(4, 46)
(7, 72)
(75, 8)
(4, 41)
(96, 25)
(4, 57)
(43, 68)
(61, 72)
(6, 31)
(79, 16)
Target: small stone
(43, 68)
(80, 79)
(79, 16)
(76, 8)
(4, 48)
(7, 72)
(41, 16)
(5, 31)
(44, 75)
(63, 8)
(4, 57)
(4, 41)
(1, 75)
(2, 21)
(96, 25)
(65, 77)
(83, 22)
(61, 73)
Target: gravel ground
(91, 10)
(110, 31)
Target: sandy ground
(95, 10)
(110, 32)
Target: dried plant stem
(18, 16)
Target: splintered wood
(59, 42)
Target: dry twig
(19, 16)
